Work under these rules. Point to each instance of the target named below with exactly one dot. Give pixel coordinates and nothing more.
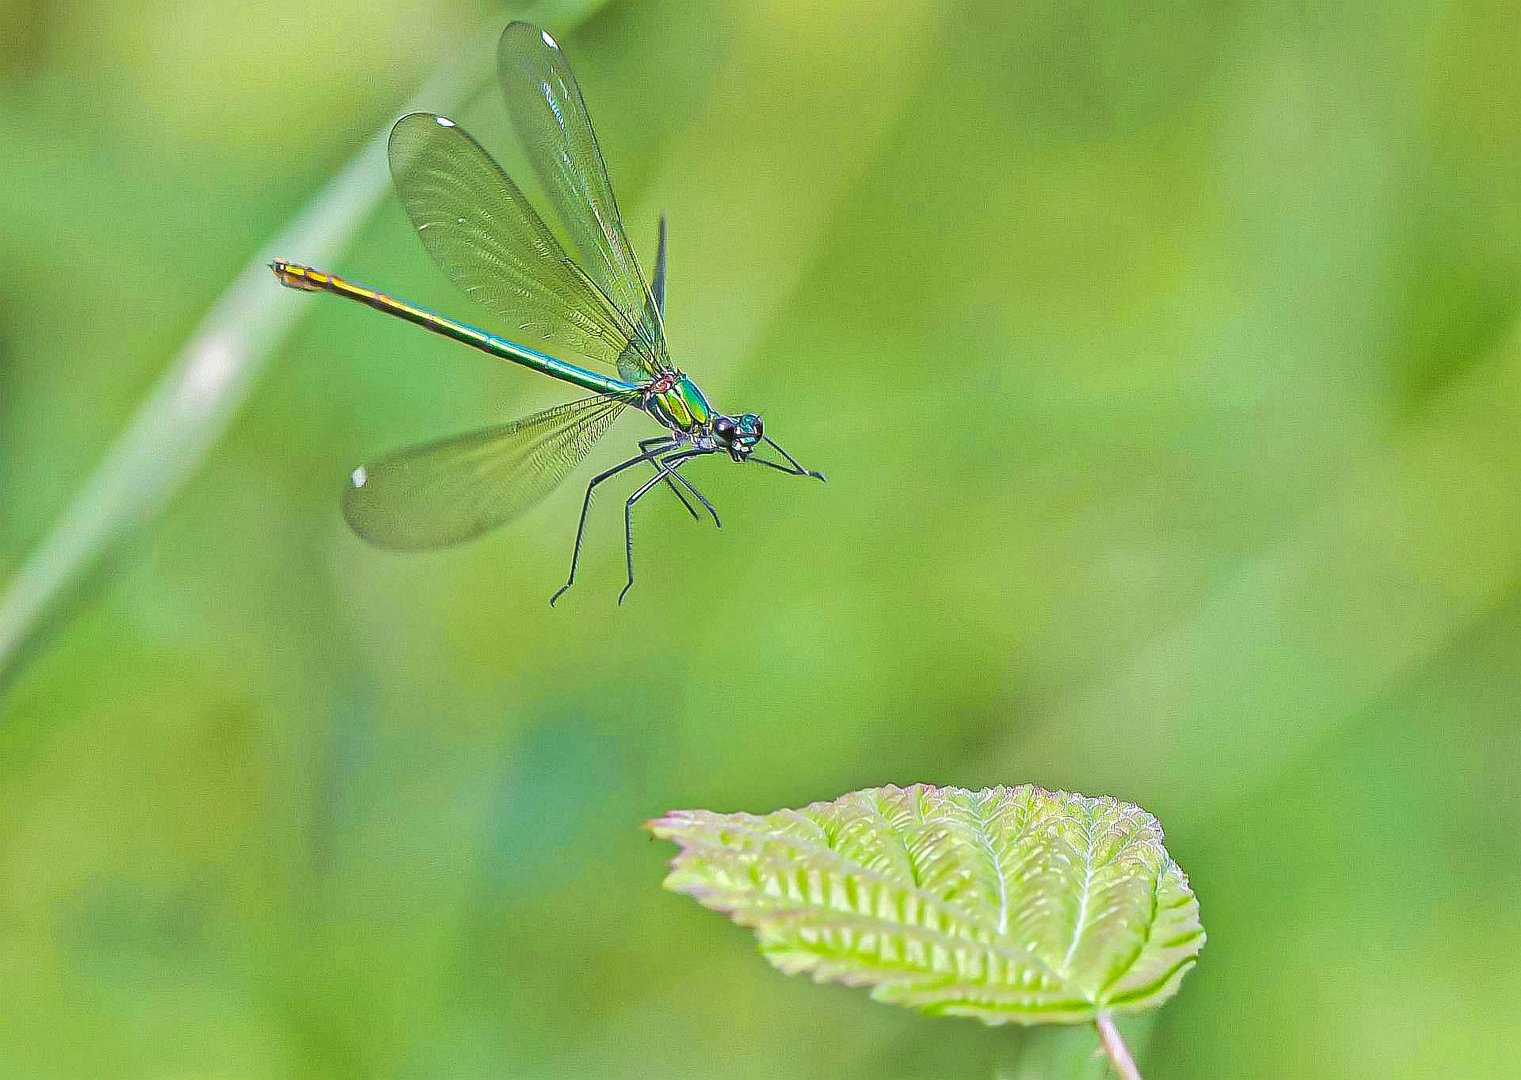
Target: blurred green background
(1164, 361)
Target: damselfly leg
(699, 495)
(651, 454)
(667, 465)
(795, 470)
(672, 478)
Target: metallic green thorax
(676, 402)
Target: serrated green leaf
(1010, 905)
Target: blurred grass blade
(1009, 905)
(186, 413)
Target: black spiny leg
(645, 444)
(575, 554)
(700, 496)
(796, 470)
(665, 465)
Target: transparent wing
(657, 283)
(486, 236)
(549, 113)
(446, 492)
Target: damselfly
(588, 299)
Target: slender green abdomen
(293, 276)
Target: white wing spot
(547, 39)
(359, 476)
(444, 121)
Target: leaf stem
(1114, 1046)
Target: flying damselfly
(588, 299)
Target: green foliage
(1164, 361)
(1010, 905)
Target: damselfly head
(738, 434)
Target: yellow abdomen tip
(293, 276)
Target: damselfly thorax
(677, 403)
